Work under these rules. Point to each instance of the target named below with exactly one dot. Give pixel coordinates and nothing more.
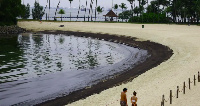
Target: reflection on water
(38, 68)
(29, 56)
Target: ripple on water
(59, 64)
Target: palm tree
(96, 11)
(61, 12)
(136, 10)
(123, 6)
(115, 8)
(131, 2)
(49, 8)
(141, 5)
(70, 8)
(99, 9)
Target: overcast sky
(75, 3)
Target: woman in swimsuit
(134, 99)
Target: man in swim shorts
(123, 100)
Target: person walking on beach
(123, 100)
(134, 99)
(40, 19)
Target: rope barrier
(167, 100)
(174, 96)
(178, 90)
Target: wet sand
(151, 85)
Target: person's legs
(122, 103)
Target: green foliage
(125, 15)
(131, 1)
(9, 11)
(123, 6)
(37, 11)
(99, 9)
(61, 12)
(136, 10)
(153, 7)
(142, 2)
(116, 6)
(70, 1)
(150, 18)
(184, 8)
(27, 12)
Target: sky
(75, 3)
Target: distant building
(110, 14)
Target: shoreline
(151, 85)
(158, 52)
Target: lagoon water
(38, 68)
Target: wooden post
(189, 83)
(46, 16)
(198, 77)
(184, 88)
(194, 80)
(163, 102)
(177, 91)
(170, 96)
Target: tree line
(11, 9)
(163, 11)
(157, 11)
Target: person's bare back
(123, 96)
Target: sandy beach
(151, 85)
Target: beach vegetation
(37, 11)
(123, 6)
(131, 3)
(164, 11)
(9, 11)
(150, 18)
(26, 12)
(99, 9)
(116, 6)
(125, 14)
(61, 12)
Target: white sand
(150, 86)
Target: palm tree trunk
(70, 10)
(96, 12)
(49, 9)
(158, 11)
(123, 15)
(132, 12)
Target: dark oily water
(37, 68)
